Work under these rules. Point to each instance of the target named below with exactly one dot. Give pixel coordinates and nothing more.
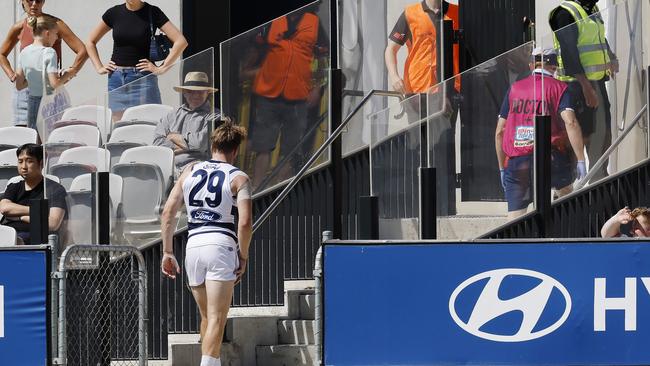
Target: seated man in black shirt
(15, 203)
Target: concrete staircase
(296, 344)
(269, 336)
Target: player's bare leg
(214, 299)
(202, 302)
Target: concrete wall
(88, 86)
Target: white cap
(548, 55)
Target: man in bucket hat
(186, 130)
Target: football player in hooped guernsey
(214, 192)
(515, 133)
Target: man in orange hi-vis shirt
(418, 28)
(284, 87)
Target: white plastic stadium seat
(147, 112)
(67, 137)
(92, 113)
(80, 204)
(126, 137)
(79, 160)
(11, 137)
(7, 236)
(147, 174)
(8, 167)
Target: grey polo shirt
(193, 125)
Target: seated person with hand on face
(639, 218)
(186, 129)
(15, 203)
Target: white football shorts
(216, 261)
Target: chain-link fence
(102, 306)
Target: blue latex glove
(582, 169)
(503, 179)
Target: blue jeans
(20, 106)
(519, 177)
(129, 87)
(33, 102)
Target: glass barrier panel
(160, 124)
(611, 93)
(467, 150)
(372, 53)
(275, 82)
(71, 134)
(395, 156)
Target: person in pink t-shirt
(515, 133)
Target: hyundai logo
(205, 215)
(490, 306)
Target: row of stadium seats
(83, 142)
(93, 116)
(139, 185)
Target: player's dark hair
(227, 137)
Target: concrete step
(300, 303)
(189, 354)
(307, 306)
(296, 332)
(286, 355)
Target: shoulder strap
(153, 30)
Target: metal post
(101, 208)
(54, 290)
(38, 218)
(543, 174)
(647, 103)
(337, 152)
(61, 342)
(448, 50)
(318, 297)
(143, 319)
(428, 206)
(368, 218)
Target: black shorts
(587, 116)
(278, 117)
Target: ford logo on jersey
(205, 215)
(510, 305)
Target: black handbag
(159, 45)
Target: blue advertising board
(23, 307)
(488, 304)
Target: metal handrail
(335, 134)
(604, 158)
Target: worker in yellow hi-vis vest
(586, 62)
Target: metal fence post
(60, 275)
(368, 218)
(38, 218)
(54, 286)
(647, 112)
(101, 208)
(318, 297)
(543, 174)
(428, 206)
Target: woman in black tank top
(131, 23)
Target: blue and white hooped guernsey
(211, 206)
